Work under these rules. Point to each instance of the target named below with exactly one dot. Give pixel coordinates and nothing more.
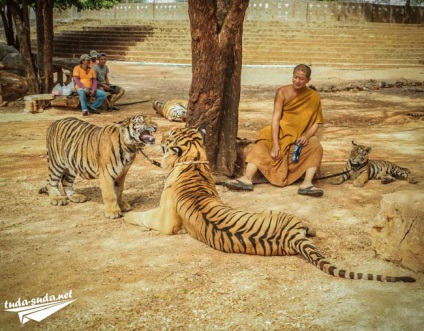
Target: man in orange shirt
(86, 86)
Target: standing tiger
(173, 110)
(361, 169)
(190, 202)
(75, 147)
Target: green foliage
(85, 4)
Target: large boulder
(398, 232)
(13, 86)
(5, 50)
(13, 59)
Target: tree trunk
(6, 17)
(45, 44)
(407, 17)
(23, 37)
(216, 31)
(40, 42)
(48, 45)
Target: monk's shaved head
(304, 68)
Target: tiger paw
(78, 198)
(387, 180)
(59, 201)
(358, 184)
(125, 206)
(113, 214)
(412, 180)
(336, 182)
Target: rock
(6, 50)
(13, 59)
(13, 86)
(397, 234)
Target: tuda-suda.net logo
(39, 308)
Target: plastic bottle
(296, 153)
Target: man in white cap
(86, 86)
(93, 58)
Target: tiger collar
(189, 163)
(359, 166)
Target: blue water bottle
(296, 153)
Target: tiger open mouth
(147, 138)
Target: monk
(295, 120)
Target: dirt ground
(125, 278)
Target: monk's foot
(241, 184)
(311, 191)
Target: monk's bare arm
(304, 139)
(275, 125)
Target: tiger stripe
(361, 169)
(190, 201)
(78, 148)
(172, 110)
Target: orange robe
(298, 116)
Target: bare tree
(44, 14)
(19, 11)
(6, 17)
(216, 32)
(39, 73)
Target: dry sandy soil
(125, 278)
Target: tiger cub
(190, 202)
(173, 110)
(361, 169)
(76, 147)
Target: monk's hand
(302, 140)
(275, 152)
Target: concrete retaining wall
(266, 10)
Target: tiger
(76, 147)
(361, 169)
(190, 203)
(173, 110)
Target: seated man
(295, 120)
(93, 58)
(102, 74)
(86, 85)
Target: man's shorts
(114, 89)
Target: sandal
(238, 185)
(311, 190)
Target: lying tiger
(173, 110)
(361, 169)
(190, 202)
(75, 147)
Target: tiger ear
(124, 122)
(202, 130)
(177, 150)
(353, 143)
(368, 149)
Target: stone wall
(261, 10)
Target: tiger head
(137, 131)
(359, 154)
(183, 145)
